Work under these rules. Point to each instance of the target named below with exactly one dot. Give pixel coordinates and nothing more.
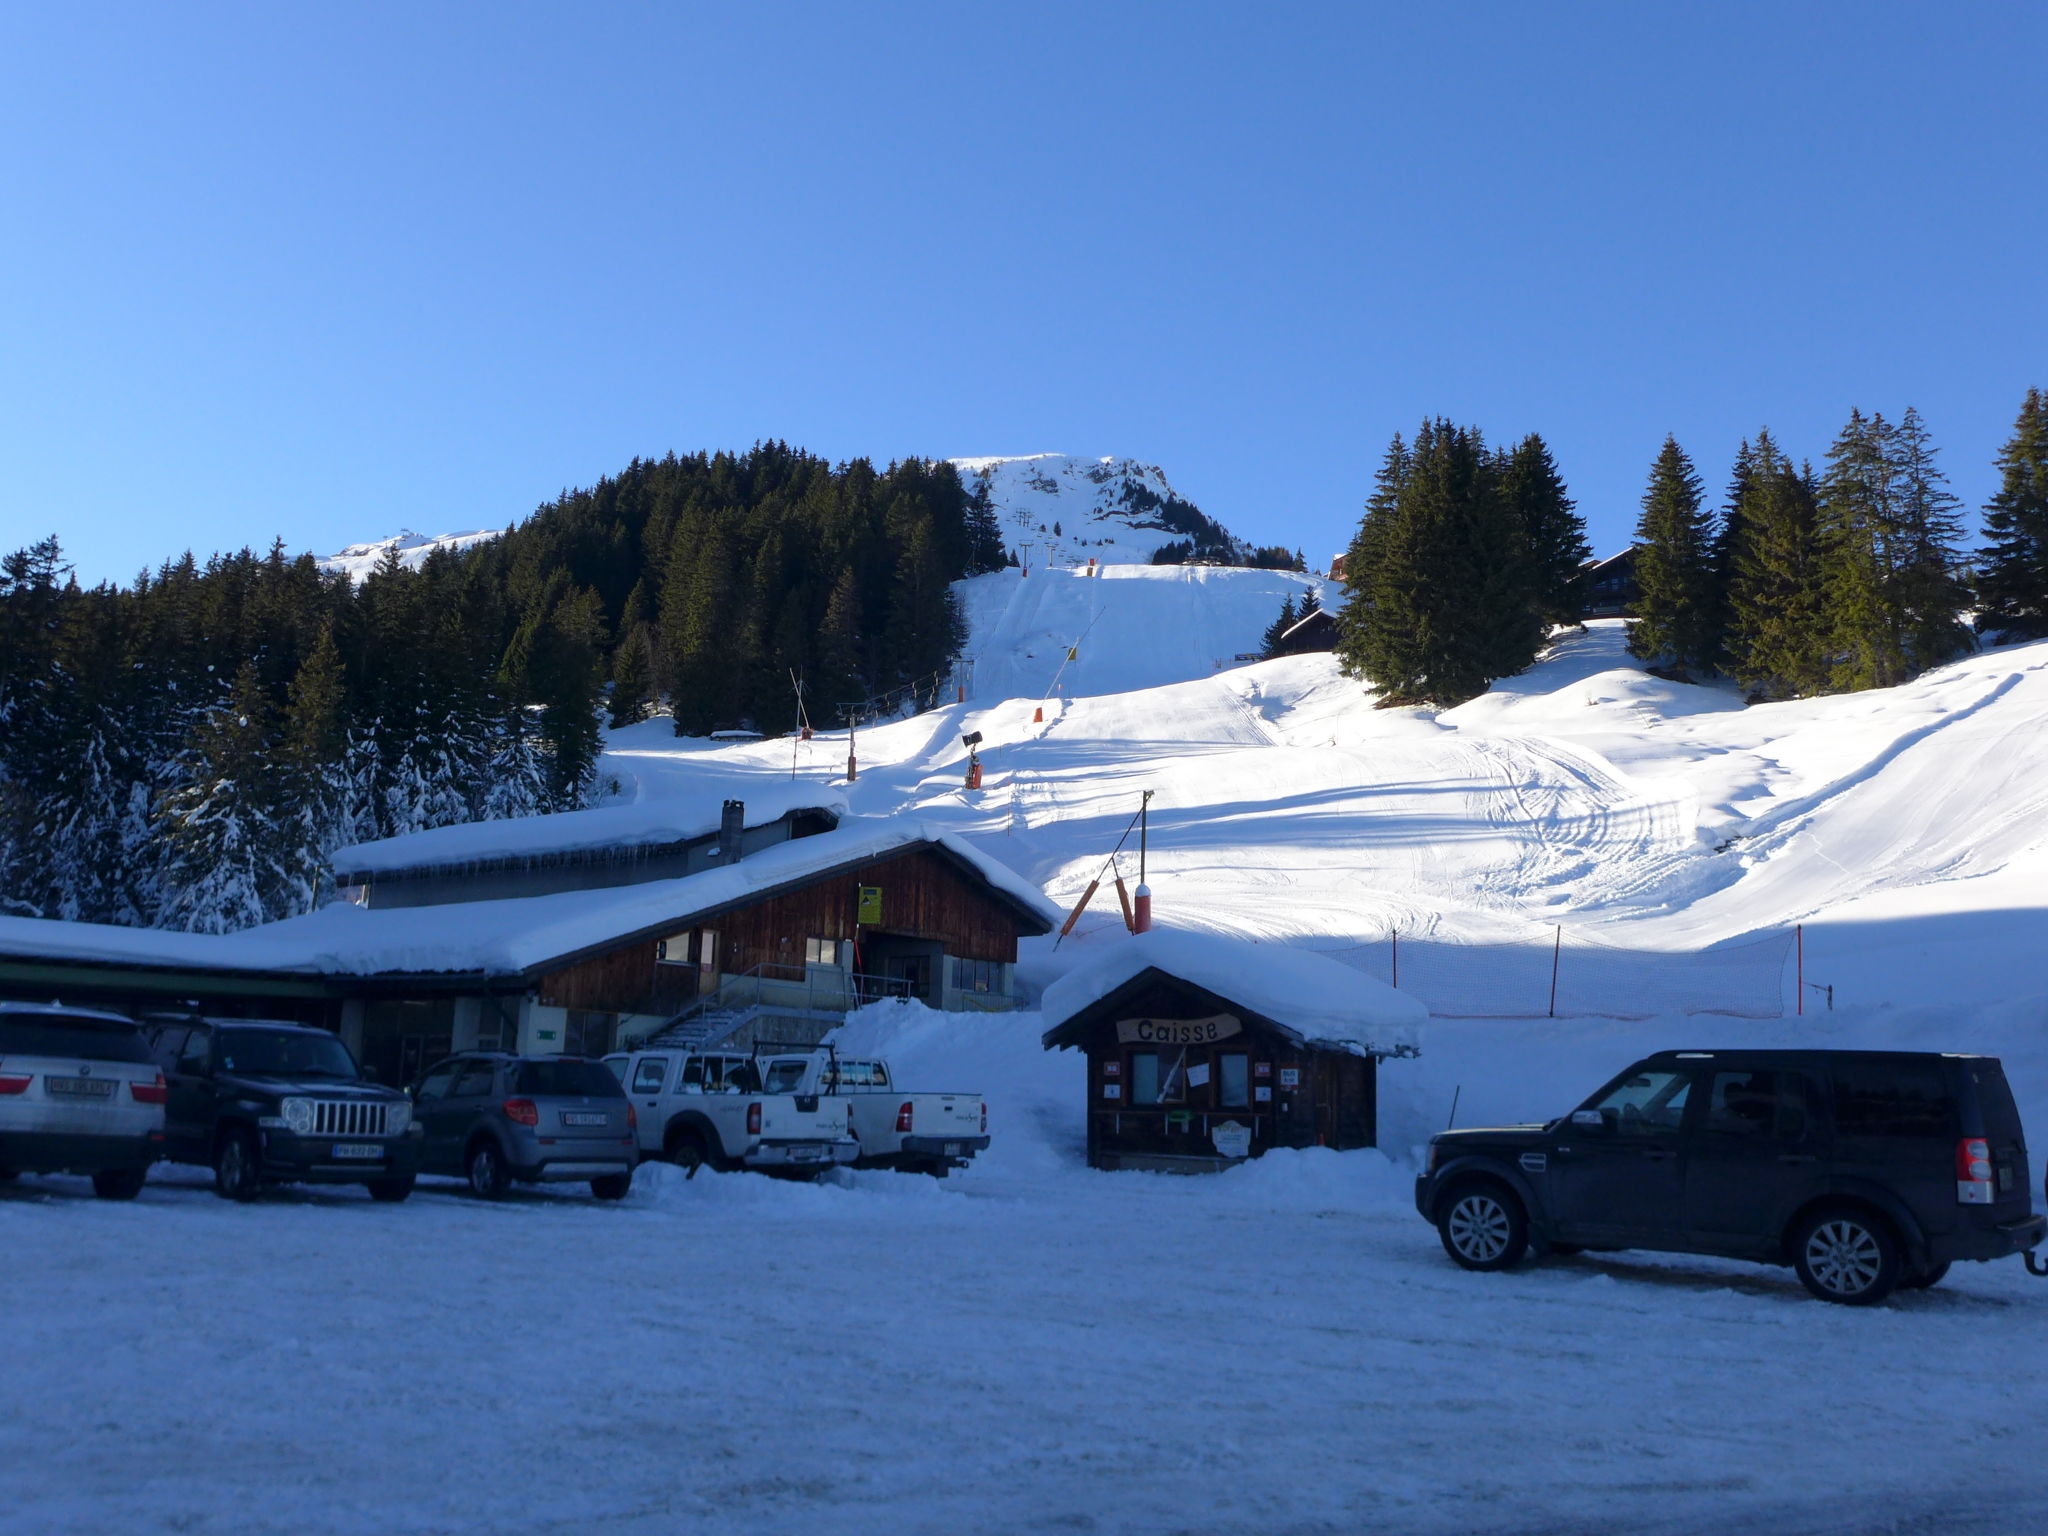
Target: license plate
(952, 1149)
(79, 1087)
(572, 1117)
(806, 1154)
(357, 1149)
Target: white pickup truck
(705, 1109)
(919, 1132)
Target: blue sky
(323, 273)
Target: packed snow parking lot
(1030, 1345)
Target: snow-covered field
(1032, 1346)
(1025, 1347)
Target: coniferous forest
(187, 750)
(1801, 582)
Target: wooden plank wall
(924, 896)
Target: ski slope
(1129, 626)
(1904, 828)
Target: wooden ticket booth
(1185, 1077)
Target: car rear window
(55, 1034)
(581, 1079)
(1994, 1098)
(1880, 1099)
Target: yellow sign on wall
(870, 904)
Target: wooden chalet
(780, 944)
(1204, 1050)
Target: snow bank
(1318, 999)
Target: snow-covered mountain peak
(358, 560)
(1057, 509)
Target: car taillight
(753, 1119)
(150, 1093)
(903, 1118)
(522, 1112)
(1973, 1171)
(15, 1084)
(984, 1119)
(632, 1118)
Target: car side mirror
(1588, 1120)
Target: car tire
(237, 1166)
(1847, 1255)
(687, 1151)
(1483, 1226)
(486, 1171)
(390, 1191)
(613, 1186)
(118, 1183)
(1923, 1279)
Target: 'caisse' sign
(1177, 1031)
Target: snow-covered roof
(648, 824)
(508, 937)
(1322, 1001)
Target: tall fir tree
(1269, 645)
(1778, 633)
(1674, 618)
(2012, 580)
(1551, 527)
(224, 825)
(632, 679)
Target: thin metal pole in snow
(1799, 968)
(1395, 936)
(1556, 949)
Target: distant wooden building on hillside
(1608, 588)
(1314, 631)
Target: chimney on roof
(731, 822)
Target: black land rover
(1864, 1170)
(261, 1102)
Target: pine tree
(632, 680)
(2012, 582)
(1551, 527)
(1778, 631)
(1674, 618)
(1444, 595)
(1854, 527)
(1930, 592)
(1277, 630)
(313, 757)
(226, 848)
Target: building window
(978, 975)
(1158, 1077)
(821, 951)
(1233, 1081)
(589, 1034)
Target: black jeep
(1864, 1170)
(261, 1102)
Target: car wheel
(390, 1191)
(1483, 1226)
(687, 1151)
(1922, 1279)
(237, 1169)
(1845, 1255)
(117, 1183)
(613, 1186)
(489, 1178)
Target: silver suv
(79, 1093)
(491, 1119)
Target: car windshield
(56, 1034)
(283, 1053)
(577, 1079)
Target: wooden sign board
(1216, 1027)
